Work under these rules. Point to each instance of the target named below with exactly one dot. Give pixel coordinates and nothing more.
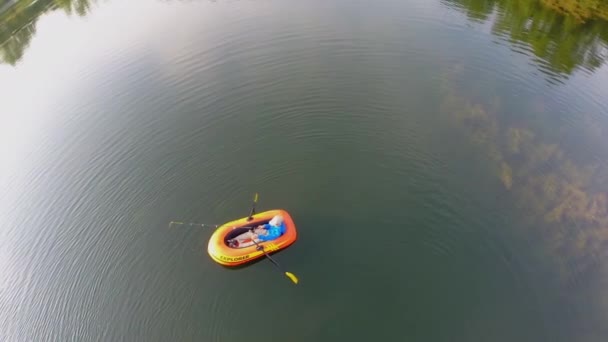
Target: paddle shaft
(255, 201)
(268, 256)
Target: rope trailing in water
(191, 224)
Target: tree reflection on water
(19, 24)
(562, 42)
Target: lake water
(445, 163)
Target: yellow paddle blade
(255, 198)
(292, 277)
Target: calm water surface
(444, 161)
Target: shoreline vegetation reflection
(558, 176)
(555, 175)
(18, 20)
(563, 35)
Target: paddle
(288, 274)
(255, 200)
(261, 248)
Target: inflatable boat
(224, 252)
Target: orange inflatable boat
(223, 254)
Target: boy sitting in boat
(270, 231)
(263, 232)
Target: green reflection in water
(18, 23)
(582, 10)
(549, 172)
(564, 34)
(563, 42)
